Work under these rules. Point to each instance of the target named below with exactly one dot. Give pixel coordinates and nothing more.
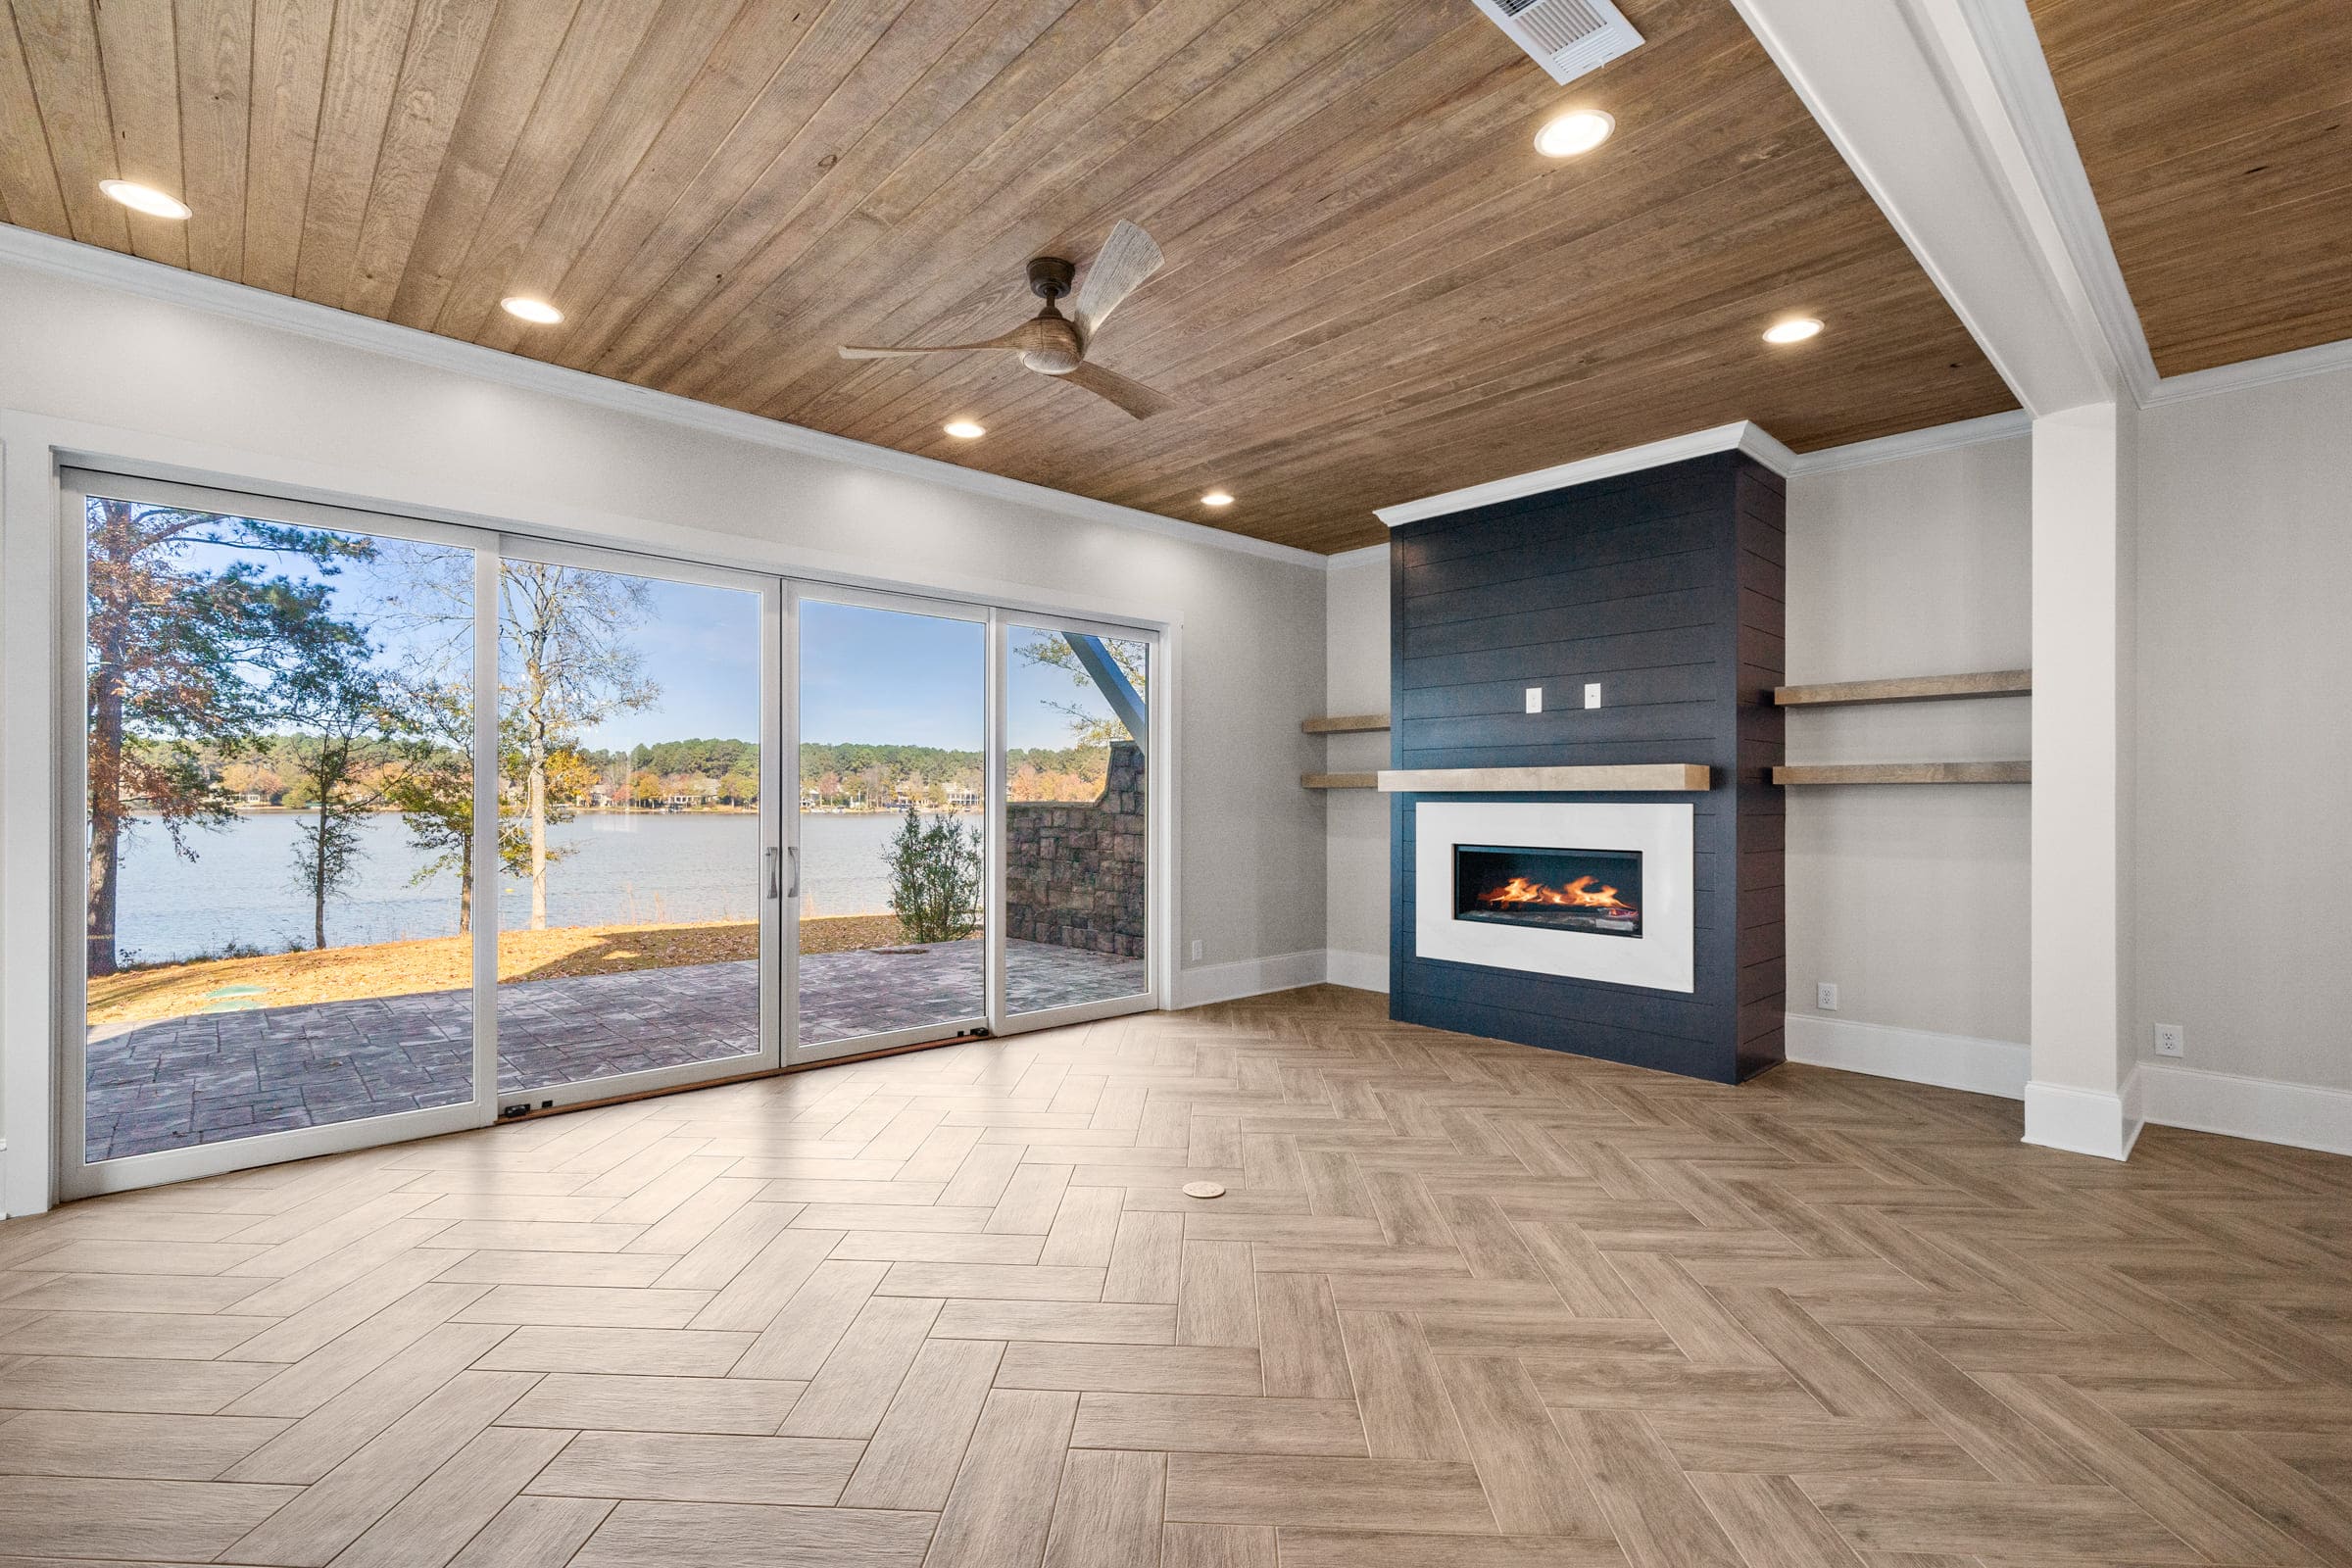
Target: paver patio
(216, 1076)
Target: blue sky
(865, 674)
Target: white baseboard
(2299, 1115)
(1248, 977)
(1360, 971)
(2081, 1121)
(1915, 1056)
(2156, 1094)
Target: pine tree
(180, 659)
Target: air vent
(1567, 37)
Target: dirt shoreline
(446, 963)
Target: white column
(33, 545)
(2078, 1098)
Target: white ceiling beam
(1945, 111)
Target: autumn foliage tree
(180, 658)
(567, 660)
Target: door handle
(794, 852)
(776, 874)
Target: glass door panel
(638, 865)
(893, 727)
(273, 886)
(1077, 819)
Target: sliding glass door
(1077, 835)
(273, 868)
(894, 729)
(381, 827)
(639, 837)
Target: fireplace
(1658, 595)
(1549, 889)
(1587, 890)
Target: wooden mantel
(1905, 773)
(1675, 778)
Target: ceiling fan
(1050, 343)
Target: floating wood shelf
(1667, 777)
(1345, 724)
(1338, 781)
(1909, 689)
(1906, 773)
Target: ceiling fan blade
(1017, 339)
(1126, 259)
(1132, 396)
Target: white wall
(2244, 759)
(1912, 899)
(101, 372)
(1356, 681)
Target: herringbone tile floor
(1465, 1303)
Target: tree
(432, 788)
(338, 707)
(178, 659)
(1087, 729)
(566, 631)
(566, 664)
(935, 878)
(254, 777)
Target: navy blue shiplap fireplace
(1664, 588)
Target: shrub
(935, 879)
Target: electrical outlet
(1824, 996)
(1592, 694)
(1195, 950)
(2171, 1040)
(1535, 699)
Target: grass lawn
(446, 963)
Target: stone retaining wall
(1074, 871)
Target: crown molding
(172, 285)
(1744, 436)
(1362, 555)
(2321, 359)
(1915, 443)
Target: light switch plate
(1535, 699)
(1592, 694)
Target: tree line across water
(280, 771)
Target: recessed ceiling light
(1217, 497)
(1795, 330)
(1579, 132)
(964, 429)
(538, 312)
(144, 199)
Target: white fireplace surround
(1661, 958)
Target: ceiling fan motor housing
(1049, 276)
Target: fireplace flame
(1580, 894)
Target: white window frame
(119, 472)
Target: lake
(624, 868)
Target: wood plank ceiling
(2219, 143)
(1376, 290)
